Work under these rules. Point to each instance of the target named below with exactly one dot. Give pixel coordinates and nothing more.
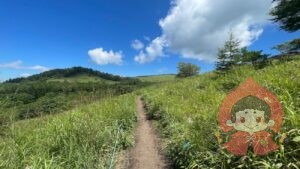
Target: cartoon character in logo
(252, 113)
(251, 125)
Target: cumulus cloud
(19, 65)
(102, 57)
(197, 28)
(153, 50)
(137, 44)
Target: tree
(286, 13)
(250, 56)
(187, 69)
(222, 63)
(229, 55)
(289, 47)
(256, 58)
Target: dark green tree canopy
(187, 69)
(289, 47)
(252, 56)
(287, 14)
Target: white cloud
(19, 65)
(153, 50)
(102, 57)
(197, 28)
(25, 74)
(137, 44)
(14, 65)
(142, 58)
(38, 68)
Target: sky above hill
(129, 38)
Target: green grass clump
(187, 113)
(88, 137)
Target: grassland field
(184, 111)
(87, 137)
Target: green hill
(82, 78)
(75, 73)
(59, 90)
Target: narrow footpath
(146, 153)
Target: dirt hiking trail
(146, 153)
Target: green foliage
(187, 112)
(289, 47)
(187, 69)
(256, 58)
(229, 55)
(286, 13)
(87, 137)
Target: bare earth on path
(146, 153)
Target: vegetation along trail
(146, 153)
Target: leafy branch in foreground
(287, 14)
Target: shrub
(187, 69)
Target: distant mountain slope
(69, 73)
(58, 90)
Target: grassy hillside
(87, 137)
(157, 78)
(58, 90)
(186, 113)
(82, 78)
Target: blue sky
(38, 35)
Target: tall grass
(87, 137)
(187, 117)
